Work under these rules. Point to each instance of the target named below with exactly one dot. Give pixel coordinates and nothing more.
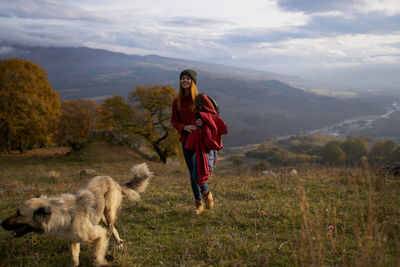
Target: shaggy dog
(76, 217)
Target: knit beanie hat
(191, 73)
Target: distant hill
(256, 105)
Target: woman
(187, 120)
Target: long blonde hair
(193, 93)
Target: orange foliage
(29, 107)
(77, 122)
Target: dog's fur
(76, 217)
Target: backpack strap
(199, 104)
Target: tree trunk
(161, 153)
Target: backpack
(199, 104)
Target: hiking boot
(199, 207)
(208, 199)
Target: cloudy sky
(287, 36)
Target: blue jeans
(190, 159)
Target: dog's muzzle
(18, 230)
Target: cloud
(387, 7)
(319, 26)
(276, 35)
(395, 45)
(48, 10)
(194, 22)
(313, 6)
(364, 23)
(6, 50)
(253, 36)
(304, 56)
(23, 37)
(386, 55)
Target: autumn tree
(76, 122)
(395, 157)
(382, 152)
(355, 149)
(29, 107)
(332, 154)
(147, 114)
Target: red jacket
(209, 136)
(186, 116)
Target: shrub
(332, 154)
(382, 152)
(355, 149)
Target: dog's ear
(42, 214)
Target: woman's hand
(190, 128)
(199, 123)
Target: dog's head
(32, 215)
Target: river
(358, 124)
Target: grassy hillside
(323, 216)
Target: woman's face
(186, 82)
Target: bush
(261, 166)
(237, 159)
(263, 152)
(333, 154)
(382, 152)
(355, 149)
(277, 156)
(300, 147)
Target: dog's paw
(109, 257)
(120, 244)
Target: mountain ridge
(256, 105)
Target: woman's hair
(193, 93)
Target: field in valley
(320, 217)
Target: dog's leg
(105, 219)
(75, 248)
(113, 201)
(115, 234)
(119, 241)
(99, 236)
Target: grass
(322, 217)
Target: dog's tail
(139, 182)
